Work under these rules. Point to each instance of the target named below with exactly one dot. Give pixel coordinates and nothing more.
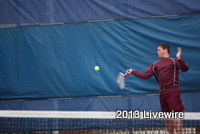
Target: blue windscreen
(58, 61)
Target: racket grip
(122, 74)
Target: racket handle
(122, 74)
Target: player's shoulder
(173, 59)
(154, 64)
(157, 61)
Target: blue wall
(48, 48)
(58, 60)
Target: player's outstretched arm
(143, 75)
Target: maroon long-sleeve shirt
(166, 72)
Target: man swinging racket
(166, 72)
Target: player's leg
(176, 105)
(174, 124)
(178, 125)
(170, 126)
(165, 108)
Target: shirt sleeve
(144, 75)
(182, 65)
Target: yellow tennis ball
(96, 68)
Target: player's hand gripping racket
(121, 80)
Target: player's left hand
(178, 55)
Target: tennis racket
(121, 80)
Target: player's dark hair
(165, 46)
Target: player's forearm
(183, 64)
(142, 75)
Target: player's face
(161, 52)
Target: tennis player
(166, 72)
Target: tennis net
(94, 122)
